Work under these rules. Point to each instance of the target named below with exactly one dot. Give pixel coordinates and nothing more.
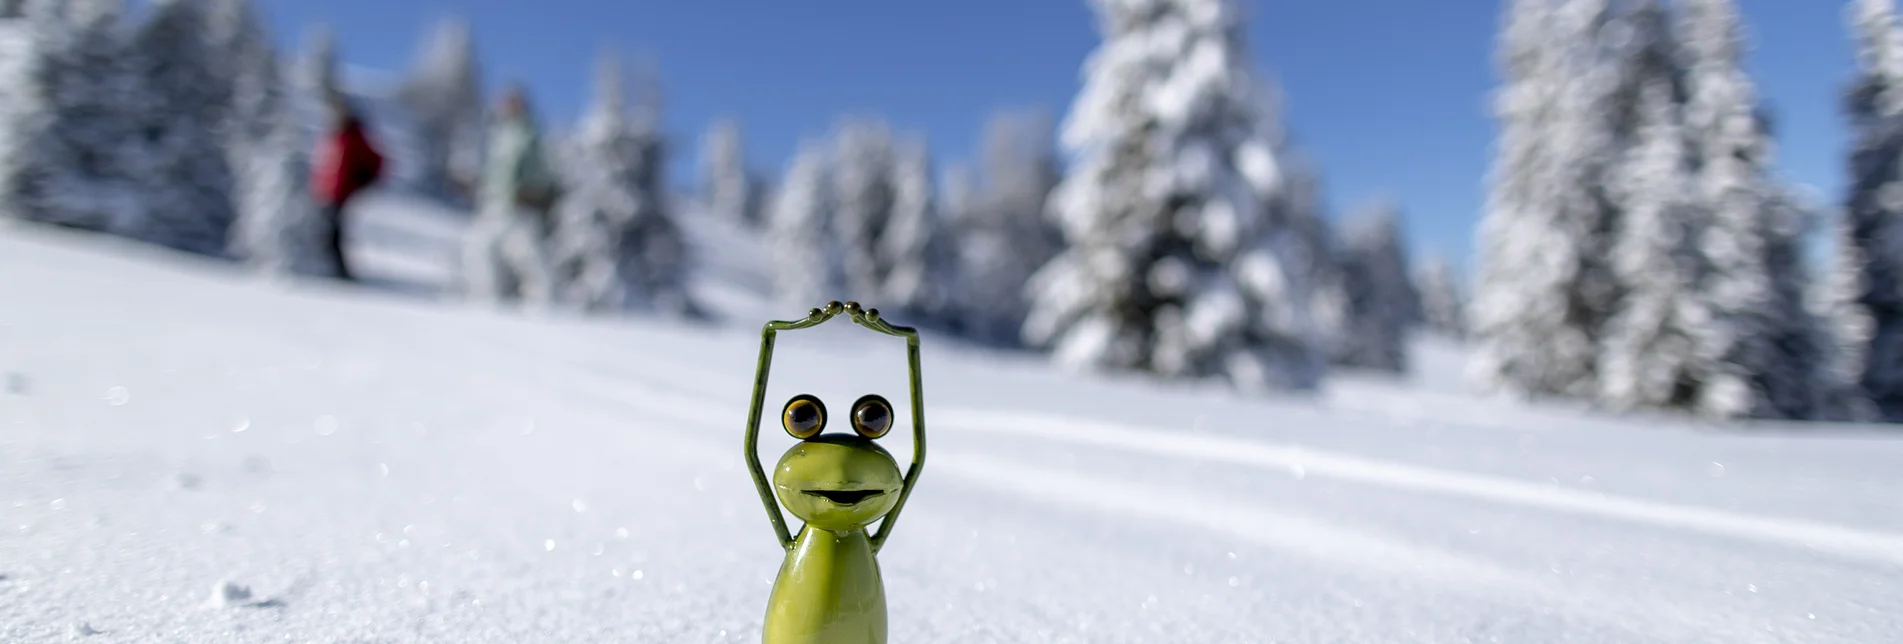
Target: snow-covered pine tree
(1004, 236)
(1651, 356)
(730, 190)
(1173, 267)
(922, 279)
(1834, 394)
(313, 77)
(1544, 290)
(1516, 304)
(805, 255)
(1877, 90)
(1758, 350)
(189, 181)
(863, 196)
(317, 67)
(1443, 301)
(1643, 48)
(655, 246)
(1020, 170)
(958, 191)
(443, 95)
(238, 40)
(617, 246)
(279, 229)
(1382, 302)
(884, 213)
(75, 147)
(600, 199)
(1314, 252)
(1865, 305)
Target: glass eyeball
(872, 416)
(804, 416)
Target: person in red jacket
(346, 163)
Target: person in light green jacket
(505, 256)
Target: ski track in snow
(1308, 537)
(1881, 548)
(1878, 547)
(1378, 554)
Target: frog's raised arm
(869, 318)
(812, 318)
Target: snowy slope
(400, 238)
(404, 241)
(377, 467)
(733, 275)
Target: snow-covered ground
(378, 465)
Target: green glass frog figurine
(829, 589)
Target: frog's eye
(805, 415)
(871, 416)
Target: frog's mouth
(845, 497)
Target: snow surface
(188, 453)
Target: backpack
(536, 188)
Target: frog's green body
(829, 588)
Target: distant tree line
(1639, 249)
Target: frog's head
(837, 481)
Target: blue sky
(1389, 95)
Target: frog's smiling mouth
(845, 497)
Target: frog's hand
(869, 318)
(767, 334)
